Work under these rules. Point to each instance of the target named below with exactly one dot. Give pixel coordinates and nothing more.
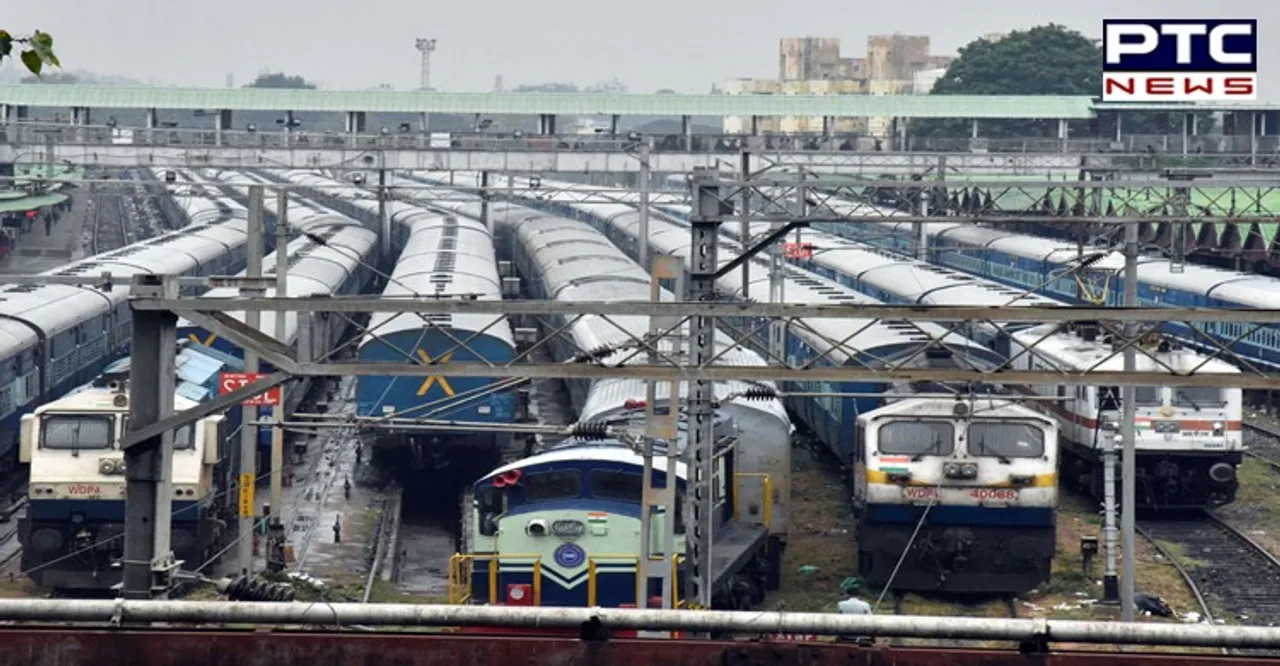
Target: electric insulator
(760, 393)
(247, 588)
(590, 431)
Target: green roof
(30, 203)
(393, 101)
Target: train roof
(578, 263)
(585, 452)
(314, 270)
(1069, 351)
(910, 280)
(870, 342)
(448, 257)
(196, 366)
(979, 408)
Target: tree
(1045, 60)
(37, 54)
(280, 80)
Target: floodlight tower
(425, 46)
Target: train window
(1108, 398)
(1006, 440)
(559, 484)
(79, 432)
(611, 484)
(1198, 397)
(1148, 395)
(183, 438)
(916, 438)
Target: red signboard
(799, 250)
(230, 381)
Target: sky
(685, 45)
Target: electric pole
(425, 46)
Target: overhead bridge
(115, 148)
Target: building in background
(893, 65)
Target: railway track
(1224, 568)
(108, 224)
(1263, 443)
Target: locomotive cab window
(553, 485)
(1108, 398)
(916, 438)
(1006, 440)
(183, 438)
(615, 485)
(1199, 397)
(1148, 395)
(77, 433)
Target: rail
(766, 491)
(1241, 575)
(1040, 632)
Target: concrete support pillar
(1064, 134)
(547, 124)
(1253, 138)
(153, 121)
(1119, 126)
(755, 125)
(973, 128)
(613, 124)
(424, 119)
(827, 122)
(686, 132)
(355, 122)
(1186, 132)
(222, 121)
(80, 118)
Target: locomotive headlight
(1218, 429)
(1111, 426)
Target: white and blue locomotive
(564, 523)
(72, 535)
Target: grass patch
(1256, 511)
(821, 534)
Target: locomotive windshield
(1199, 397)
(1006, 440)
(917, 438)
(77, 432)
(553, 485)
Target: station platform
(35, 251)
(316, 499)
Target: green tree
(1045, 60)
(37, 50)
(280, 80)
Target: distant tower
(497, 83)
(231, 80)
(425, 47)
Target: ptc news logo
(1174, 60)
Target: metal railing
(1037, 631)
(33, 133)
(592, 572)
(462, 567)
(766, 499)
